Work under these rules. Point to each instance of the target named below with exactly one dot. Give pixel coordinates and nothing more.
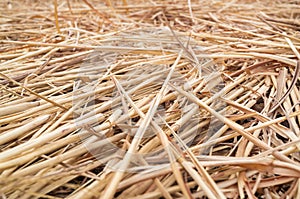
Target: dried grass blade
(33, 92)
(289, 90)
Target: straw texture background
(217, 82)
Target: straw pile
(149, 99)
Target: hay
(155, 99)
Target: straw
(149, 99)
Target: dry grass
(149, 99)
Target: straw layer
(156, 99)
